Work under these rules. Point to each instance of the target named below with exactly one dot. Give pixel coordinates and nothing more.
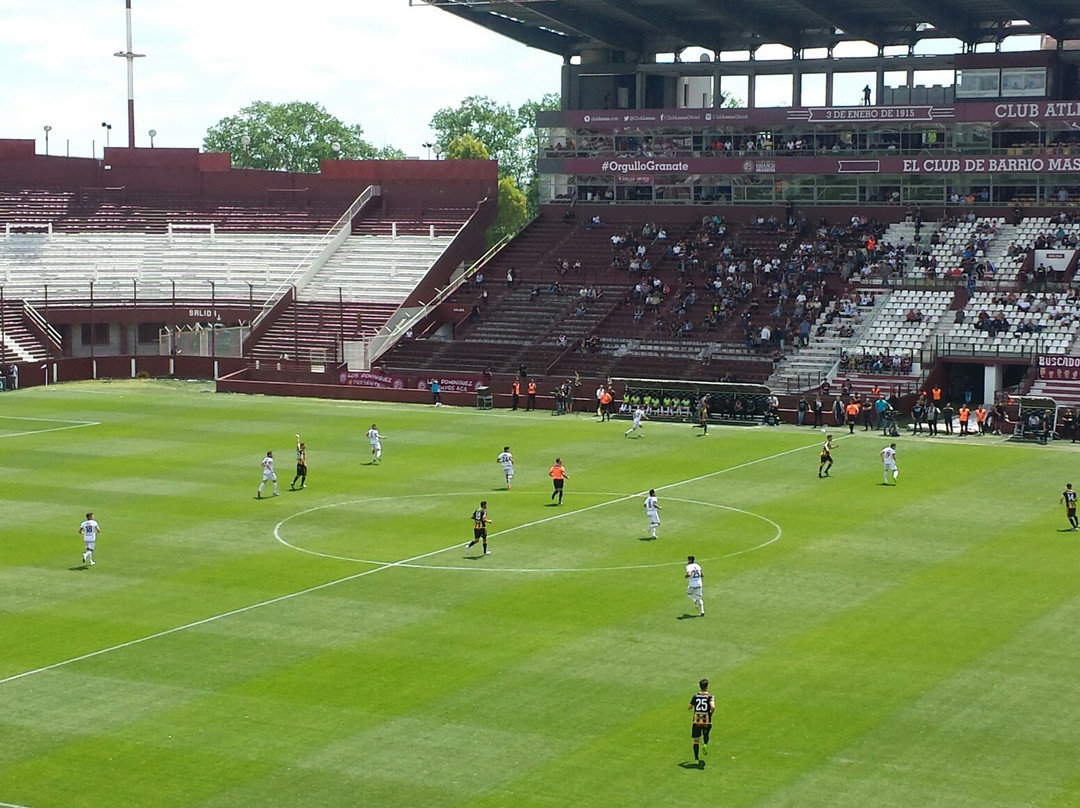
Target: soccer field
(904, 646)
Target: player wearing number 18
(703, 705)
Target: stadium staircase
(313, 330)
(20, 342)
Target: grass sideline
(888, 646)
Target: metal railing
(374, 348)
(318, 255)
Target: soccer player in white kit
(639, 413)
(376, 443)
(888, 460)
(89, 531)
(507, 461)
(268, 474)
(652, 510)
(693, 584)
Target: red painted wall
(408, 185)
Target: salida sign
(1049, 164)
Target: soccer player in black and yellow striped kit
(703, 705)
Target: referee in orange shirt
(558, 475)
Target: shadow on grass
(687, 616)
(79, 568)
(697, 765)
(648, 538)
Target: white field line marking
(69, 425)
(277, 535)
(11, 805)
(355, 576)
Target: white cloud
(379, 63)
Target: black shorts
(697, 730)
(558, 484)
(1070, 512)
(826, 457)
(479, 532)
(301, 470)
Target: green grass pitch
(869, 646)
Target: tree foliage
(506, 134)
(466, 147)
(290, 137)
(513, 211)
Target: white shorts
(890, 467)
(693, 591)
(508, 471)
(654, 518)
(269, 475)
(376, 446)
(90, 543)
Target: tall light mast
(131, 57)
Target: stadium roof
(568, 27)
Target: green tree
(496, 126)
(513, 211)
(509, 135)
(527, 117)
(466, 147)
(290, 137)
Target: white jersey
(89, 529)
(268, 468)
(652, 509)
(507, 460)
(638, 415)
(374, 437)
(888, 457)
(693, 576)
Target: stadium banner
(683, 167)
(1058, 367)
(631, 121)
(409, 381)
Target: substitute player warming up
(480, 523)
(703, 705)
(89, 531)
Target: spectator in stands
(511, 275)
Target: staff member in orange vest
(530, 402)
(605, 405)
(980, 419)
(516, 393)
(852, 415)
(965, 415)
(935, 394)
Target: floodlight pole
(131, 57)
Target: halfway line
(355, 576)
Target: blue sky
(379, 63)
